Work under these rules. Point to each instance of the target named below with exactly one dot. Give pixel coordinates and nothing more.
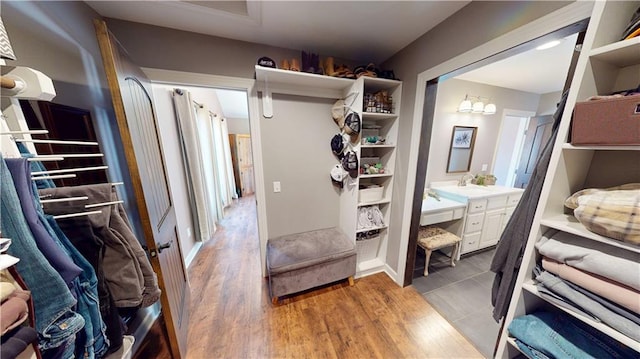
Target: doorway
(462, 294)
(200, 123)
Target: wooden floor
(232, 315)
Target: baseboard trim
(192, 254)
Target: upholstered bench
(301, 261)
(432, 238)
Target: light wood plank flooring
(232, 315)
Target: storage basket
(370, 194)
(367, 249)
(613, 121)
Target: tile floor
(462, 294)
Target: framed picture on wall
(462, 138)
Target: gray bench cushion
(300, 250)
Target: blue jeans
(93, 342)
(559, 335)
(55, 320)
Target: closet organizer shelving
(605, 65)
(371, 253)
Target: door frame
(532, 34)
(511, 113)
(182, 78)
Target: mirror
(461, 149)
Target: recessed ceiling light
(548, 45)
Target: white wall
(548, 103)
(450, 93)
(238, 126)
(296, 152)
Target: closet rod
(59, 142)
(36, 178)
(69, 199)
(7, 83)
(94, 205)
(72, 155)
(81, 169)
(70, 215)
(26, 132)
(117, 183)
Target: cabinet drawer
(477, 206)
(496, 202)
(470, 243)
(442, 216)
(474, 223)
(513, 199)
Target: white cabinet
(486, 219)
(605, 65)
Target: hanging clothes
(127, 269)
(510, 250)
(80, 233)
(55, 320)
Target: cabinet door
(492, 227)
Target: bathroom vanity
(488, 209)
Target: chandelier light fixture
(474, 104)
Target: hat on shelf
(350, 163)
(337, 112)
(266, 62)
(338, 145)
(352, 126)
(338, 174)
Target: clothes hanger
(78, 214)
(80, 169)
(68, 199)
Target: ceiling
(345, 29)
(342, 29)
(536, 71)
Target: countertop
(430, 205)
(471, 192)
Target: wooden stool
(432, 238)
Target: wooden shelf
(378, 175)
(375, 116)
(531, 288)
(569, 224)
(568, 146)
(378, 146)
(621, 54)
(374, 84)
(382, 201)
(371, 229)
(295, 78)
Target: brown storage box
(614, 121)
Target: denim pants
(59, 260)
(55, 320)
(93, 343)
(558, 335)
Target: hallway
(232, 315)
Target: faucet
(463, 180)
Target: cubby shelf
(568, 223)
(621, 53)
(370, 229)
(377, 175)
(532, 289)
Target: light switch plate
(276, 186)
(485, 166)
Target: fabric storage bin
(370, 194)
(614, 121)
